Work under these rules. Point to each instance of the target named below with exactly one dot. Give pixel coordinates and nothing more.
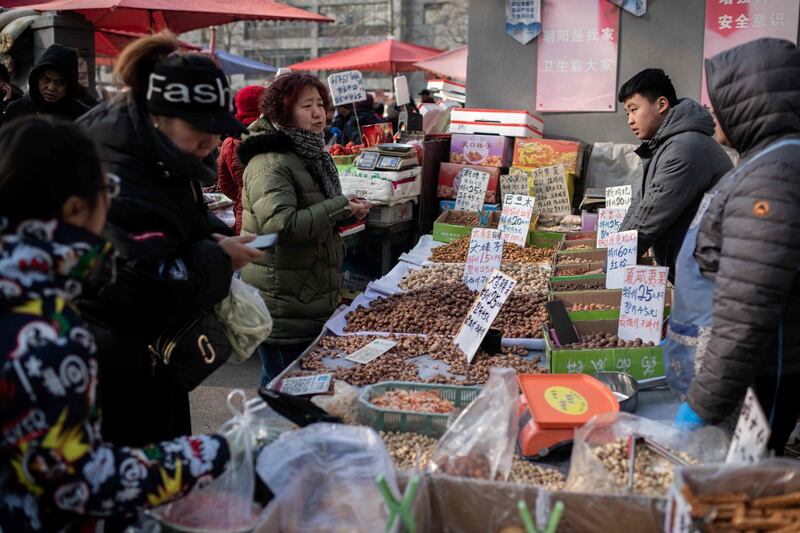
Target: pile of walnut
(529, 277)
(456, 252)
(604, 340)
(652, 474)
(395, 365)
(419, 401)
(739, 512)
(406, 449)
(440, 309)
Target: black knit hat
(192, 88)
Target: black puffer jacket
(168, 267)
(681, 162)
(749, 240)
(65, 61)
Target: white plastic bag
(246, 319)
(481, 441)
(323, 478)
(226, 503)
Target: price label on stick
(483, 312)
(471, 189)
(550, 186)
(515, 219)
(347, 87)
(484, 255)
(304, 385)
(621, 254)
(608, 222)
(618, 197)
(515, 183)
(641, 311)
(749, 442)
(401, 92)
(371, 351)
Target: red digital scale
(553, 406)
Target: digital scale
(553, 406)
(390, 156)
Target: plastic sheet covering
(613, 164)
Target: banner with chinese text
(577, 56)
(730, 23)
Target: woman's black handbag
(188, 353)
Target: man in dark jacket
(366, 117)
(680, 158)
(52, 87)
(748, 241)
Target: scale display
(368, 160)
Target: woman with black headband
(173, 257)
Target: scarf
(311, 149)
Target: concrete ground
(208, 401)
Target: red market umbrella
(109, 44)
(451, 64)
(388, 56)
(146, 16)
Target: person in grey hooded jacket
(748, 242)
(680, 158)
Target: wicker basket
(431, 424)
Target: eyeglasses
(113, 185)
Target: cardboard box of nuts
(449, 181)
(597, 304)
(642, 362)
(486, 150)
(454, 224)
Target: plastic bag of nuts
(480, 442)
(599, 461)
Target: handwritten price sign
(618, 197)
(608, 222)
(483, 256)
(620, 255)
(347, 87)
(642, 307)
(471, 189)
(515, 220)
(550, 186)
(483, 312)
(752, 432)
(515, 182)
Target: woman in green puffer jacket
(291, 187)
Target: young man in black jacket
(681, 161)
(52, 87)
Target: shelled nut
(604, 340)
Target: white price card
(371, 351)
(608, 222)
(471, 189)
(485, 253)
(550, 186)
(641, 311)
(515, 182)
(483, 312)
(749, 442)
(347, 87)
(621, 253)
(401, 92)
(303, 385)
(515, 219)
(618, 197)
(678, 518)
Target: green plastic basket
(431, 424)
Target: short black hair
(652, 83)
(45, 161)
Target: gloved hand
(686, 418)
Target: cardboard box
(581, 235)
(445, 232)
(484, 150)
(448, 185)
(570, 245)
(545, 239)
(537, 153)
(569, 178)
(558, 276)
(609, 297)
(451, 204)
(597, 254)
(508, 122)
(642, 363)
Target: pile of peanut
(419, 401)
(529, 277)
(397, 364)
(467, 218)
(456, 252)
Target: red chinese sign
(730, 23)
(577, 56)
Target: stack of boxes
(532, 153)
